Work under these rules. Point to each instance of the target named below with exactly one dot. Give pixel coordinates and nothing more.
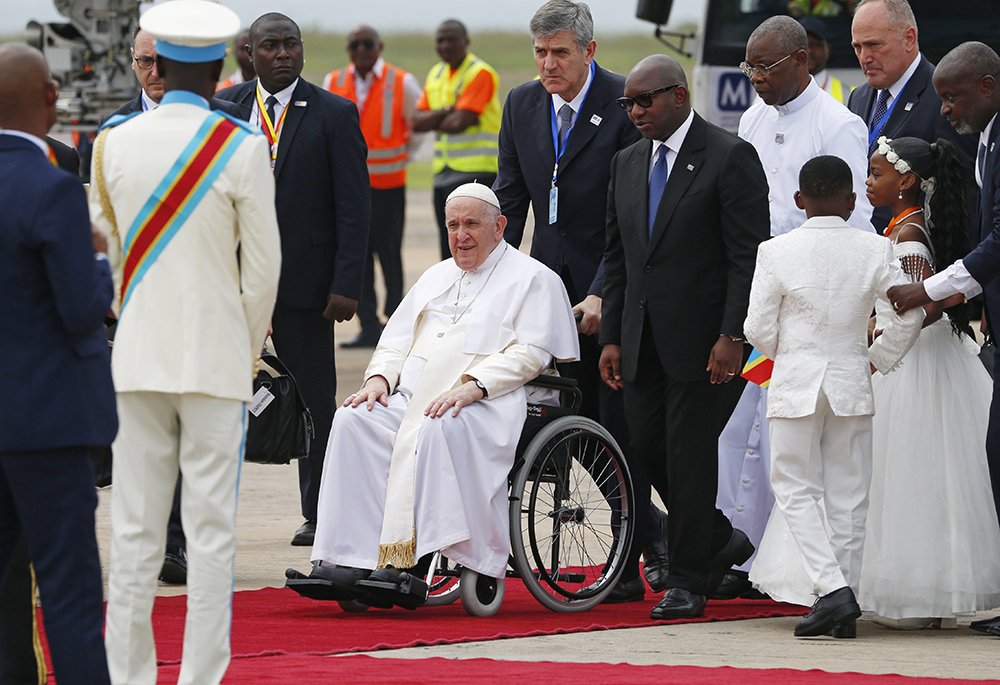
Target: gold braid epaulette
(102, 191)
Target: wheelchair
(571, 515)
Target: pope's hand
(459, 397)
(375, 389)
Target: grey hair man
(562, 172)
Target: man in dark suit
(898, 99)
(686, 210)
(57, 353)
(968, 83)
(20, 663)
(323, 201)
(570, 238)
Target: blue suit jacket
(55, 295)
(322, 194)
(577, 239)
(922, 120)
(984, 262)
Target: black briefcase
(279, 429)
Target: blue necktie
(880, 107)
(657, 180)
(981, 163)
(269, 105)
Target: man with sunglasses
(557, 137)
(174, 569)
(386, 97)
(793, 121)
(687, 208)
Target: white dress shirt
(283, 96)
(147, 102)
(896, 88)
(42, 145)
(673, 143)
(787, 136)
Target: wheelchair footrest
(408, 591)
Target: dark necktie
(981, 163)
(657, 180)
(270, 103)
(565, 119)
(880, 107)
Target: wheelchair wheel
(571, 510)
(481, 595)
(443, 581)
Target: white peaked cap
(191, 30)
(476, 190)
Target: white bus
(720, 92)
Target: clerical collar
(283, 96)
(492, 259)
(802, 99)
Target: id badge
(553, 204)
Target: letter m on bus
(734, 92)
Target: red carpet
(277, 621)
(313, 670)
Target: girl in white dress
(932, 548)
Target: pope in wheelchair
(418, 459)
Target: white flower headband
(898, 164)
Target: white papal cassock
(396, 484)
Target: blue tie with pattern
(657, 180)
(880, 107)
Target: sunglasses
(366, 43)
(644, 100)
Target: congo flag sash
(177, 195)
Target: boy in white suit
(812, 295)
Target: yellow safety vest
(475, 148)
(837, 90)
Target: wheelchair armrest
(569, 390)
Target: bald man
(65, 401)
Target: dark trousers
(385, 239)
(607, 407)
(49, 498)
(993, 433)
(441, 194)
(175, 531)
(20, 663)
(304, 342)
(675, 433)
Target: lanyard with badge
(560, 149)
(271, 131)
(876, 128)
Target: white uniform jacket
(196, 321)
(812, 295)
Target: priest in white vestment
(418, 458)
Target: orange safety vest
(382, 122)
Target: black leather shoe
(364, 339)
(736, 584)
(848, 630)
(678, 603)
(994, 630)
(337, 583)
(626, 591)
(984, 625)
(175, 566)
(828, 612)
(737, 551)
(305, 535)
(395, 586)
(656, 558)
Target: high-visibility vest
(837, 90)
(475, 148)
(382, 122)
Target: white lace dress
(932, 547)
